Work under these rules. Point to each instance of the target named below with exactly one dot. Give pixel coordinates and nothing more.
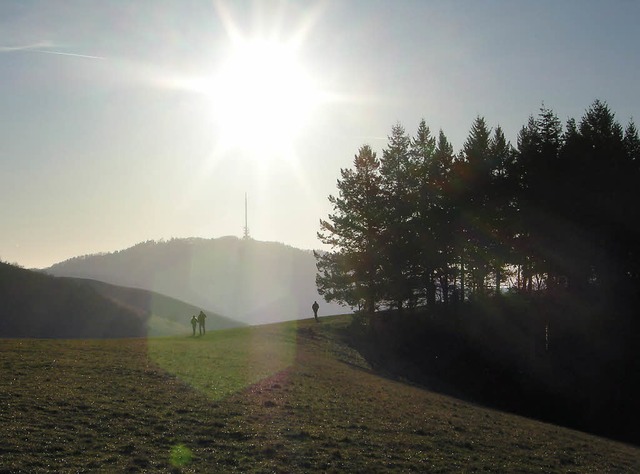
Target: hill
(246, 280)
(37, 305)
(165, 316)
(288, 397)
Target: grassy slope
(167, 316)
(129, 404)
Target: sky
(122, 122)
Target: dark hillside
(166, 316)
(574, 371)
(247, 280)
(37, 305)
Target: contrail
(9, 49)
(65, 54)
(37, 48)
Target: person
(315, 306)
(194, 321)
(201, 318)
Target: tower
(246, 226)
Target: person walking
(201, 318)
(194, 322)
(315, 306)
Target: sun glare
(261, 97)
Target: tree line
(423, 226)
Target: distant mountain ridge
(250, 281)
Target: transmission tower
(246, 226)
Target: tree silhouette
(421, 223)
(424, 219)
(443, 214)
(476, 168)
(540, 177)
(351, 272)
(500, 206)
(398, 183)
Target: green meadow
(290, 397)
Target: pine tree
(500, 205)
(443, 213)
(476, 169)
(424, 222)
(632, 142)
(528, 146)
(601, 218)
(539, 197)
(631, 233)
(351, 272)
(398, 183)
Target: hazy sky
(128, 121)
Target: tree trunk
(431, 290)
(461, 279)
(444, 284)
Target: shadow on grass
(224, 362)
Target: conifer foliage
(352, 272)
(423, 226)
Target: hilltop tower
(246, 226)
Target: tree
(608, 174)
(433, 223)
(424, 221)
(351, 272)
(540, 180)
(632, 142)
(476, 171)
(629, 202)
(593, 204)
(526, 153)
(500, 212)
(443, 213)
(398, 183)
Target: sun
(261, 97)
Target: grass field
(280, 398)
